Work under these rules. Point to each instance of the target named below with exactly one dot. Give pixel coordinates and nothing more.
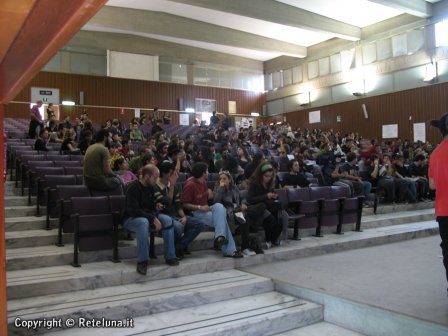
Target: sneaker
(236, 254)
(142, 267)
(248, 252)
(172, 262)
(220, 242)
(240, 217)
(267, 245)
(180, 253)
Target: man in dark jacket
(141, 215)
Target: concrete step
(15, 200)
(34, 238)
(30, 250)
(391, 208)
(28, 223)
(141, 299)
(320, 329)
(22, 211)
(44, 280)
(252, 315)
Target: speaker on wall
(81, 97)
(364, 110)
(180, 104)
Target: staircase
(205, 295)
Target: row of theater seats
(94, 217)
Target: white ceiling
(358, 13)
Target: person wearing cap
(438, 180)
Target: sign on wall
(390, 131)
(47, 95)
(419, 132)
(314, 117)
(184, 119)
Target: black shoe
(180, 253)
(142, 267)
(220, 242)
(186, 251)
(236, 254)
(172, 262)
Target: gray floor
(406, 277)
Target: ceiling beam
(150, 22)
(147, 46)
(48, 26)
(419, 8)
(280, 13)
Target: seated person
(121, 168)
(418, 169)
(136, 134)
(41, 142)
(348, 173)
(295, 179)
(85, 141)
(195, 197)
(68, 145)
(228, 195)
(97, 172)
(167, 194)
(140, 216)
(261, 196)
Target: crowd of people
(166, 179)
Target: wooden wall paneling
(422, 104)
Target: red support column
(3, 301)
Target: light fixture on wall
(359, 88)
(358, 94)
(68, 103)
(255, 114)
(304, 99)
(431, 72)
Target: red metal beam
(49, 26)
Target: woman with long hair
(243, 157)
(228, 195)
(263, 203)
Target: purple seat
(96, 227)
(77, 170)
(32, 165)
(22, 158)
(300, 203)
(38, 183)
(281, 176)
(329, 208)
(64, 195)
(58, 157)
(67, 164)
(49, 184)
(116, 191)
(351, 207)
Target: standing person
(195, 197)
(98, 174)
(214, 119)
(141, 214)
(50, 111)
(438, 181)
(36, 122)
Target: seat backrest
(90, 205)
(281, 175)
(282, 196)
(41, 171)
(58, 157)
(298, 194)
(52, 181)
(67, 164)
(213, 177)
(33, 164)
(74, 170)
(319, 193)
(117, 203)
(24, 159)
(66, 192)
(339, 191)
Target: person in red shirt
(195, 196)
(438, 180)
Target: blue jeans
(367, 187)
(217, 218)
(185, 234)
(141, 227)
